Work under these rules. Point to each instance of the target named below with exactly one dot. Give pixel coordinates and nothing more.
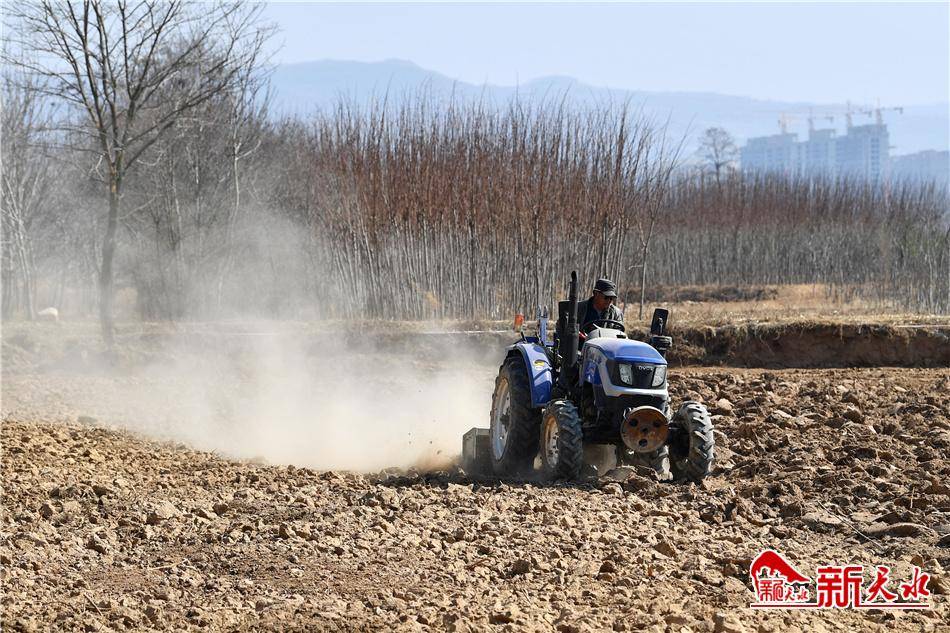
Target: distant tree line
(887, 243)
(198, 203)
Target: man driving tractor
(600, 306)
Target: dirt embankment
(801, 345)
(807, 344)
(813, 344)
(775, 345)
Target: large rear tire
(562, 441)
(691, 444)
(513, 430)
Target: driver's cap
(606, 287)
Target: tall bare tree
(718, 151)
(660, 160)
(114, 63)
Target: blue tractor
(593, 387)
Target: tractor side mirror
(658, 337)
(661, 317)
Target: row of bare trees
(886, 243)
(465, 210)
(469, 212)
(143, 173)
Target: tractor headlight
(659, 375)
(626, 373)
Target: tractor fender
(540, 375)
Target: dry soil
(103, 529)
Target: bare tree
(25, 182)
(660, 160)
(247, 108)
(113, 63)
(192, 197)
(718, 151)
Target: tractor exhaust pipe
(572, 329)
(571, 340)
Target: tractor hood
(625, 350)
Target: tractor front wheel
(562, 441)
(691, 443)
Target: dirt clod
(162, 511)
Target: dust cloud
(320, 399)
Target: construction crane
(783, 121)
(878, 113)
(811, 119)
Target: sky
(894, 53)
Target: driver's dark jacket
(586, 313)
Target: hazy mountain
(302, 87)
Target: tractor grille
(643, 376)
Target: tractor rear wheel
(691, 443)
(513, 430)
(562, 441)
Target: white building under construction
(861, 152)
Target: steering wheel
(606, 323)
